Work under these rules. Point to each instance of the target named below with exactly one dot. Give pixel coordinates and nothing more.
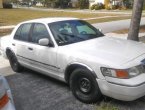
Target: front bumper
(120, 91)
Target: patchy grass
(125, 31)
(106, 106)
(14, 16)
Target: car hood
(107, 50)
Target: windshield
(72, 31)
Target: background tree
(62, 3)
(135, 21)
(7, 4)
(127, 3)
(83, 4)
(46, 3)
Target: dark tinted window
(25, 32)
(39, 32)
(22, 32)
(18, 33)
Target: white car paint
(100, 52)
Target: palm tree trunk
(135, 21)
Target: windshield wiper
(73, 36)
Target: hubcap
(85, 85)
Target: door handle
(13, 44)
(30, 48)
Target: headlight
(123, 73)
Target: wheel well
(8, 52)
(73, 67)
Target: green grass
(14, 16)
(106, 106)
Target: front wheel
(84, 86)
(14, 63)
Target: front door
(45, 56)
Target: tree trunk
(135, 21)
(106, 2)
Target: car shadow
(34, 91)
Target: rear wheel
(84, 86)
(14, 63)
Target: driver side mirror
(43, 42)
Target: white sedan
(75, 52)
(6, 100)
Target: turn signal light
(121, 74)
(3, 101)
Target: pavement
(124, 36)
(33, 91)
(116, 25)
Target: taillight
(3, 101)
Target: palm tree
(135, 21)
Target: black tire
(84, 86)
(16, 67)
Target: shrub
(7, 5)
(123, 8)
(83, 4)
(115, 7)
(144, 7)
(92, 7)
(97, 6)
(108, 7)
(62, 3)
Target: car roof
(49, 20)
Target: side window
(25, 32)
(18, 33)
(39, 32)
(22, 32)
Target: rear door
(22, 44)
